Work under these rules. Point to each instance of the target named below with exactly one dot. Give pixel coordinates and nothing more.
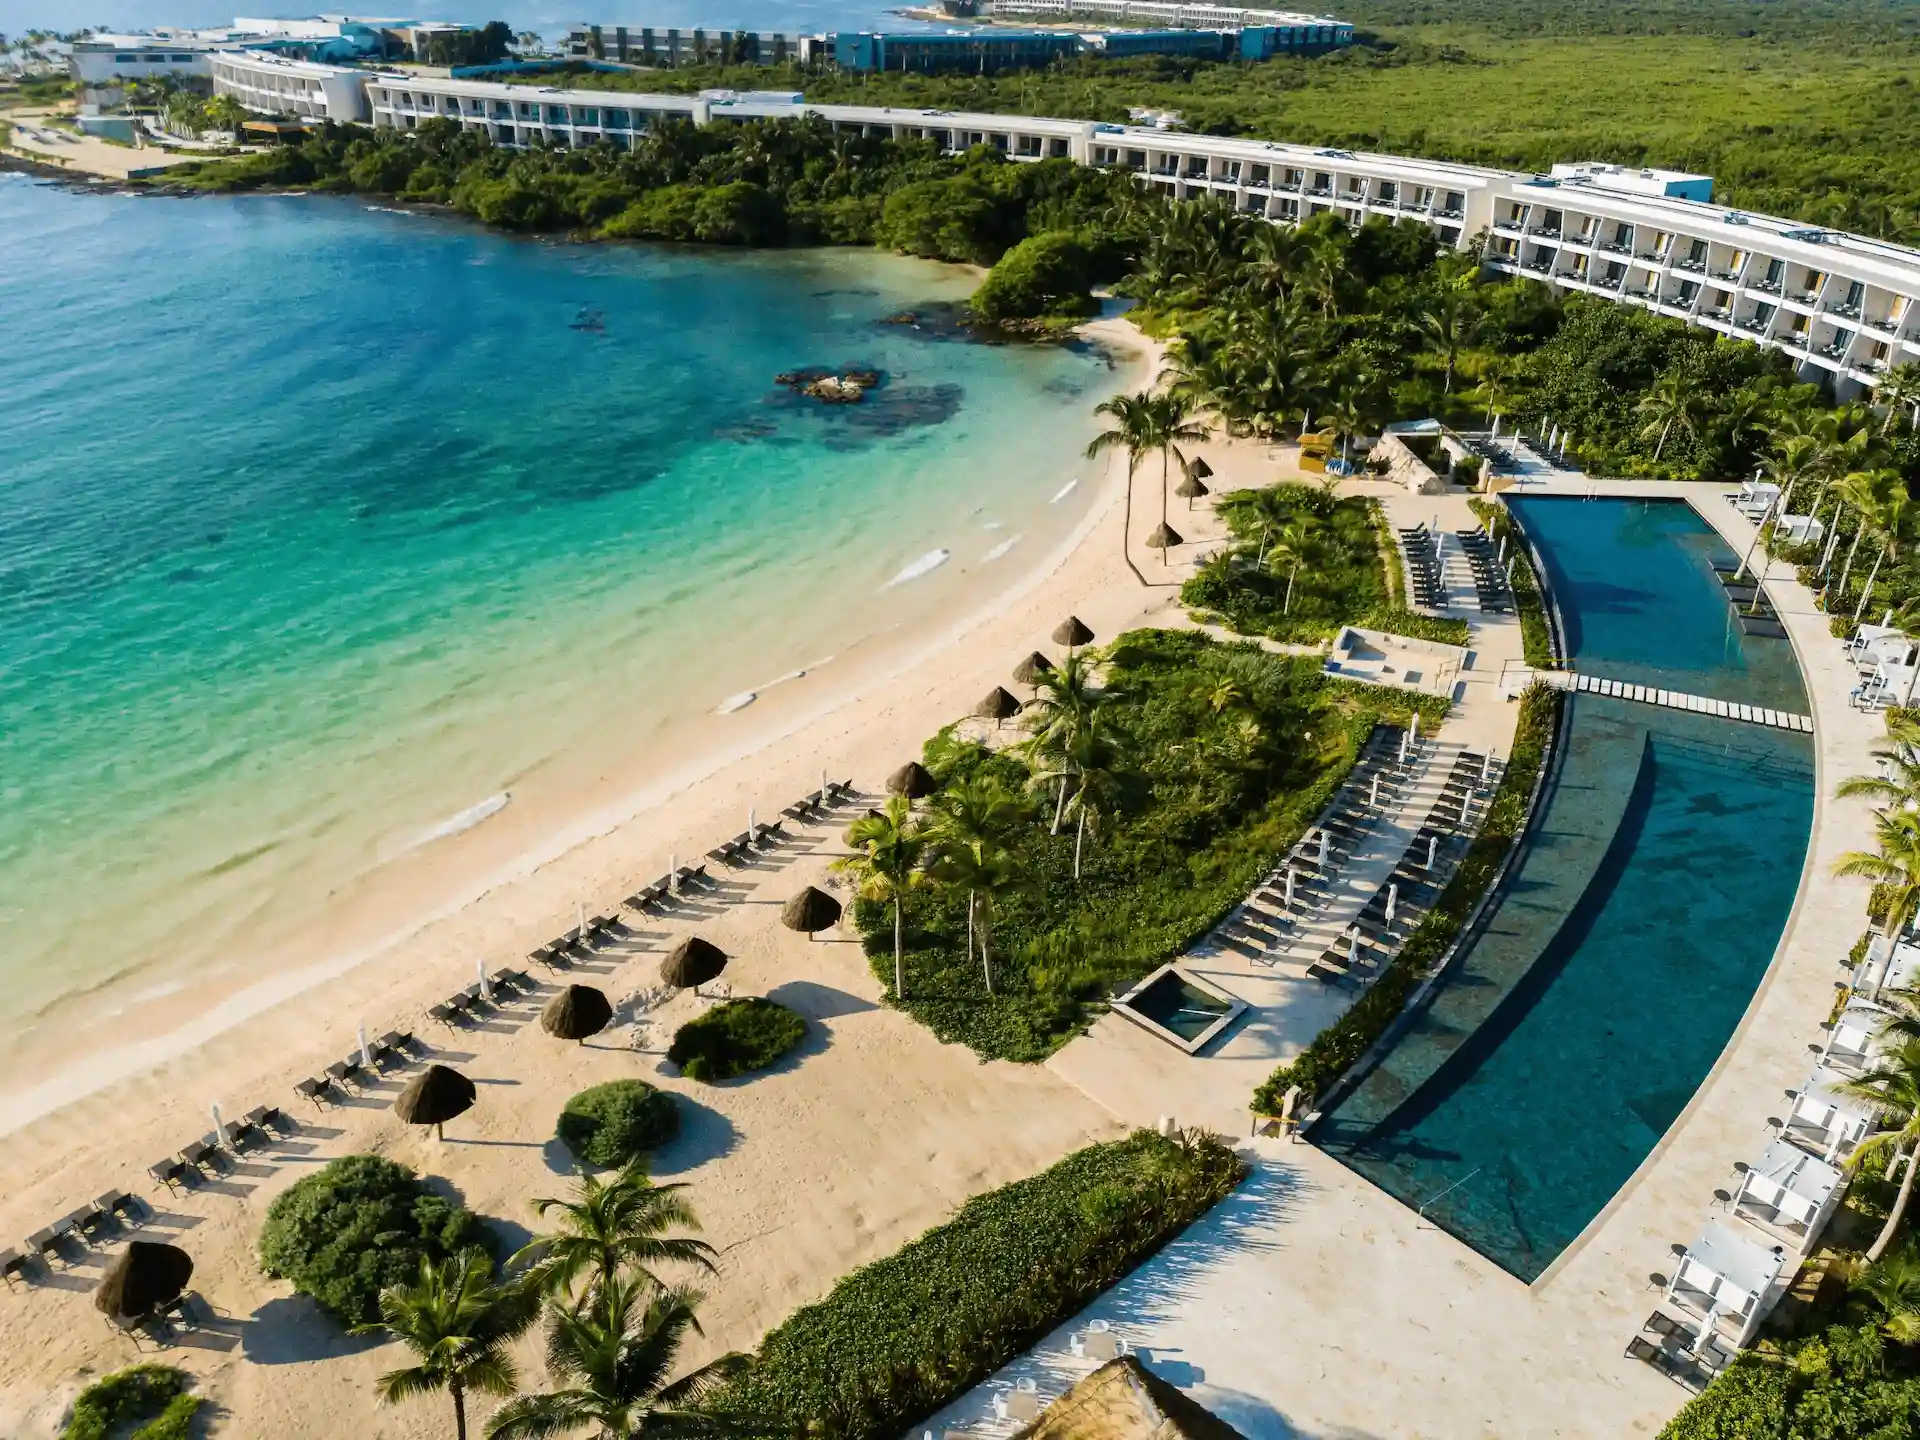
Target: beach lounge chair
(643, 899)
(445, 1014)
(347, 1072)
(88, 1220)
(728, 853)
(1021, 1403)
(242, 1133)
(12, 1264)
(314, 1087)
(197, 1152)
(264, 1118)
(46, 1243)
(120, 1205)
(521, 980)
(168, 1173)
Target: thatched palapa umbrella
(1070, 632)
(575, 1013)
(1192, 488)
(1000, 706)
(1163, 539)
(810, 912)
(436, 1095)
(692, 963)
(1200, 469)
(145, 1277)
(1029, 670)
(912, 780)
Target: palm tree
(1446, 322)
(1899, 391)
(1866, 491)
(609, 1226)
(1894, 865)
(458, 1324)
(1670, 403)
(888, 850)
(613, 1351)
(1898, 783)
(1893, 1087)
(1292, 548)
(1133, 431)
(1173, 426)
(1097, 757)
(1889, 520)
(1891, 1287)
(1063, 702)
(968, 832)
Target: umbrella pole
(440, 1132)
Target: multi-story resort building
(1318, 31)
(1846, 308)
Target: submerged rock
(846, 385)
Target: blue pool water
(1634, 930)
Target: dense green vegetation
(357, 1226)
(616, 1123)
(782, 182)
(1347, 1039)
(899, 1338)
(142, 1402)
(1844, 1383)
(1796, 109)
(735, 1038)
(1302, 564)
(1142, 808)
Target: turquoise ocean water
(324, 527)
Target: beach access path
(1313, 1303)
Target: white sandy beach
(874, 1133)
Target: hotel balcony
(1842, 309)
(1885, 323)
(1614, 247)
(1766, 287)
(1732, 277)
(1837, 350)
(1717, 312)
(1793, 340)
(1696, 267)
(1508, 227)
(1321, 192)
(1753, 324)
(1803, 297)
(1450, 214)
(1546, 234)
(1640, 292)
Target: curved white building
(1845, 307)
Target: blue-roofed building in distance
(978, 50)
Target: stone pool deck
(1313, 1304)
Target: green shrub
(1044, 278)
(1845, 1383)
(612, 1124)
(357, 1226)
(1349, 577)
(154, 1394)
(1347, 1039)
(736, 1038)
(901, 1337)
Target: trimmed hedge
(1347, 1039)
(362, 1223)
(156, 1394)
(612, 1124)
(899, 1338)
(736, 1038)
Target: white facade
(1164, 13)
(1844, 307)
(269, 85)
(107, 59)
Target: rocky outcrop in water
(847, 385)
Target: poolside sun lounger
(313, 1088)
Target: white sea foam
(449, 827)
(925, 565)
(1065, 490)
(1003, 547)
(994, 525)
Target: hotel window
(1389, 192)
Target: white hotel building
(1844, 307)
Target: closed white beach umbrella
(580, 918)
(1373, 795)
(1323, 847)
(480, 974)
(1290, 887)
(1393, 900)
(673, 873)
(366, 1053)
(1433, 846)
(1496, 427)
(219, 1125)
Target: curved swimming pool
(1632, 933)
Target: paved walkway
(1311, 1303)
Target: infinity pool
(1629, 940)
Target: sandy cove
(873, 1133)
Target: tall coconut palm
(1293, 547)
(1894, 865)
(1866, 492)
(613, 1354)
(1899, 391)
(459, 1325)
(1099, 752)
(1892, 1086)
(1445, 321)
(1063, 703)
(1670, 405)
(1174, 426)
(1135, 431)
(888, 847)
(968, 833)
(1897, 785)
(610, 1226)
(1891, 520)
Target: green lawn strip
(1347, 1039)
(901, 1337)
(1236, 750)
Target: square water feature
(1180, 1008)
